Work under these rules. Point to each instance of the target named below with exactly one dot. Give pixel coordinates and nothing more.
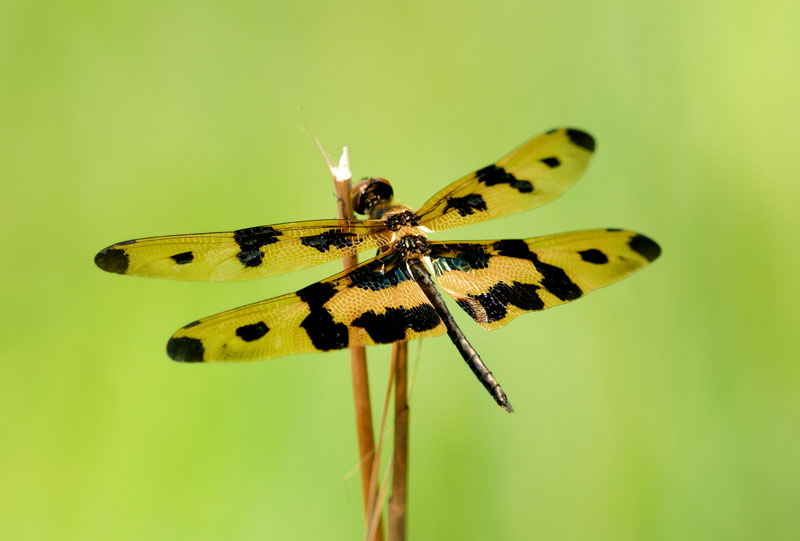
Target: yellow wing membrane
(376, 302)
(245, 254)
(530, 176)
(495, 281)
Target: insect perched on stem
(392, 296)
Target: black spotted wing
(245, 254)
(533, 174)
(495, 281)
(376, 302)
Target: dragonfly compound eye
(371, 193)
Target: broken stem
(358, 356)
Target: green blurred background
(664, 407)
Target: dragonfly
(393, 296)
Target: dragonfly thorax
(398, 218)
(411, 245)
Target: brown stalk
(376, 498)
(358, 356)
(397, 501)
(380, 498)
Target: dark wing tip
(645, 247)
(185, 350)
(581, 138)
(112, 260)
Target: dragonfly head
(369, 195)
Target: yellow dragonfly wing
(496, 281)
(533, 174)
(245, 254)
(376, 302)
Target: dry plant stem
(364, 429)
(397, 501)
(384, 487)
(358, 356)
(376, 501)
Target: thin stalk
(381, 496)
(358, 356)
(397, 501)
(376, 498)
